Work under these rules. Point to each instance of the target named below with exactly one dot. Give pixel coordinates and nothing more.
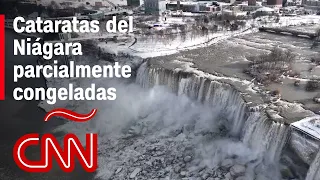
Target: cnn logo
(50, 148)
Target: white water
(313, 172)
(264, 137)
(213, 93)
(192, 116)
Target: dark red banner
(2, 57)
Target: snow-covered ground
(155, 134)
(309, 125)
(154, 45)
(297, 20)
(160, 46)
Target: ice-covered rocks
(227, 163)
(241, 178)
(261, 177)
(134, 173)
(237, 170)
(118, 170)
(177, 169)
(183, 173)
(228, 176)
(187, 159)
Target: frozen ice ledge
(251, 121)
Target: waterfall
(306, 148)
(314, 172)
(266, 137)
(201, 89)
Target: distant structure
(96, 15)
(252, 2)
(184, 6)
(133, 3)
(31, 1)
(154, 6)
(312, 7)
(284, 3)
(178, 5)
(64, 12)
(98, 4)
(194, 7)
(303, 2)
(274, 3)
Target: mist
(155, 130)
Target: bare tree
(269, 67)
(54, 5)
(318, 33)
(316, 39)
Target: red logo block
(2, 57)
(50, 148)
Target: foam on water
(177, 114)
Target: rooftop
(309, 125)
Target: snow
(160, 47)
(265, 9)
(148, 133)
(154, 45)
(309, 125)
(297, 20)
(187, 67)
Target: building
(154, 6)
(98, 4)
(312, 7)
(64, 12)
(274, 3)
(133, 3)
(303, 2)
(246, 7)
(185, 6)
(233, 11)
(97, 15)
(252, 2)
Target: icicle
(313, 172)
(265, 137)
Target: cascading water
(202, 129)
(314, 169)
(265, 137)
(213, 93)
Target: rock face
(237, 170)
